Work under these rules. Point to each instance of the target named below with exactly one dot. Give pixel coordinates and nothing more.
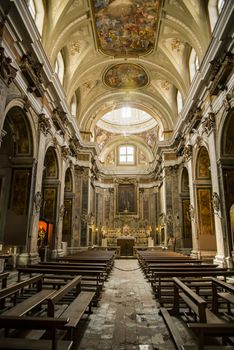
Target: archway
(50, 187)
(186, 232)
(16, 161)
(227, 171)
(206, 228)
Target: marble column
(193, 210)
(209, 126)
(43, 129)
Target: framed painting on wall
(20, 190)
(205, 212)
(49, 198)
(126, 199)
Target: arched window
(214, 10)
(126, 154)
(220, 5)
(179, 102)
(193, 64)
(59, 67)
(32, 8)
(37, 11)
(73, 105)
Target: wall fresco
(126, 27)
(126, 76)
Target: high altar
(127, 238)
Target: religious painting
(126, 199)
(19, 131)
(20, 191)
(67, 220)
(206, 221)
(126, 76)
(126, 27)
(187, 231)
(49, 203)
(68, 181)
(227, 136)
(203, 164)
(50, 164)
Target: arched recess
(68, 208)
(16, 180)
(227, 170)
(186, 229)
(50, 193)
(205, 214)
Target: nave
(127, 316)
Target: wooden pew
(13, 290)
(82, 265)
(76, 308)
(208, 323)
(3, 278)
(71, 267)
(221, 289)
(161, 278)
(176, 267)
(44, 323)
(93, 275)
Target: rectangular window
(126, 154)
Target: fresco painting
(126, 76)
(126, 26)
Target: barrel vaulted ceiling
(125, 53)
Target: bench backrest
(195, 298)
(56, 296)
(18, 286)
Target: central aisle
(127, 316)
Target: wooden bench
(161, 277)
(151, 268)
(3, 278)
(208, 323)
(203, 330)
(44, 323)
(93, 275)
(221, 289)
(14, 290)
(76, 308)
(194, 302)
(81, 264)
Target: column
(193, 212)
(209, 128)
(32, 249)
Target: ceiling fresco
(126, 27)
(126, 76)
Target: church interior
(116, 132)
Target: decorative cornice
(7, 71)
(60, 119)
(221, 69)
(187, 152)
(44, 124)
(32, 72)
(228, 101)
(208, 124)
(65, 151)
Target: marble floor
(127, 316)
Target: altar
(126, 244)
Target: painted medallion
(126, 76)
(126, 27)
